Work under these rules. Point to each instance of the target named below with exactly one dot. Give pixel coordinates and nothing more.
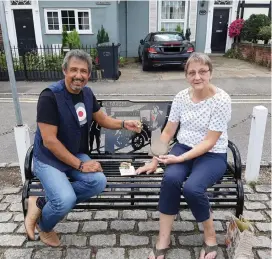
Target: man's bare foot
(33, 214)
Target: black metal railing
(43, 63)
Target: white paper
(130, 171)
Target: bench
(111, 147)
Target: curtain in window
(173, 10)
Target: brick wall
(1, 40)
(257, 53)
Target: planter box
(257, 53)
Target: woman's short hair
(79, 54)
(200, 58)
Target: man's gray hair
(79, 54)
(201, 58)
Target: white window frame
(60, 20)
(185, 20)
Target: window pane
(71, 13)
(56, 27)
(56, 21)
(173, 10)
(72, 21)
(50, 20)
(65, 21)
(50, 27)
(171, 26)
(55, 14)
(64, 13)
(49, 14)
(83, 21)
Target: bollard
(255, 146)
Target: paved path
(126, 234)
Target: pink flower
(236, 27)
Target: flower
(236, 27)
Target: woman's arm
(203, 147)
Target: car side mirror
(142, 41)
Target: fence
(43, 63)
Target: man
(65, 112)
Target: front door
(219, 29)
(24, 30)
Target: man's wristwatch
(80, 168)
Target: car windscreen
(168, 37)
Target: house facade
(37, 22)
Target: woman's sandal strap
(209, 249)
(159, 252)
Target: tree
(252, 26)
(102, 36)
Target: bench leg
(240, 201)
(24, 197)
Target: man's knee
(63, 203)
(99, 181)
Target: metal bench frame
(141, 191)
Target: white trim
(37, 23)
(209, 27)
(11, 22)
(58, 10)
(184, 21)
(153, 16)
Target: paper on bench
(130, 171)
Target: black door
(24, 30)
(219, 30)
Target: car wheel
(145, 66)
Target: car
(164, 48)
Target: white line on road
(235, 101)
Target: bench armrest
(28, 163)
(237, 160)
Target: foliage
(102, 36)
(265, 33)
(252, 26)
(162, 29)
(234, 53)
(122, 61)
(73, 40)
(236, 27)
(178, 28)
(64, 37)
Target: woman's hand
(148, 168)
(168, 159)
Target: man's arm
(50, 141)
(106, 121)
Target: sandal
(160, 252)
(209, 249)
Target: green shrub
(178, 28)
(162, 29)
(252, 26)
(102, 36)
(234, 53)
(64, 37)
(73, 40)
(265, 33)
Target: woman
(203, 112)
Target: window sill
(59, 33)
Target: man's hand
(91, 166)
(133, 125)
(168, 159)
(148, 168)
